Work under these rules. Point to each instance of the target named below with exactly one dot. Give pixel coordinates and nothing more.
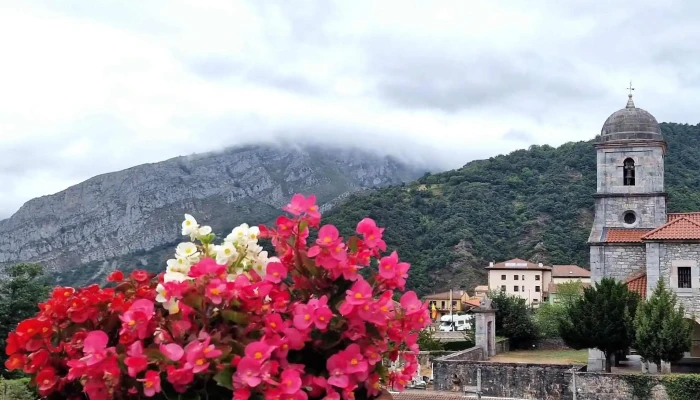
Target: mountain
(535, 204)
(131, 218)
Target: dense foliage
(514, 319)
(535, 204)
(661, 331)
(23, 288)
(548, 315)
(601, 319)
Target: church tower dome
(630, 123)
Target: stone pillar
(653, 267)
(596, 360)
(485, 328)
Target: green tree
(513, 319)
(600, 319)
(547, 319)
(427, 341)
(24, 287)
(662, 332)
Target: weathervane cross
(630, 88)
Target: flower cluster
(315, 322)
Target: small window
(515, 277)
(537, 288)
(515, 288)
(442, 305)
(537, 277)
(535, 300)
(522, 288)
(628, 172)
(503, 277)
(523, 277)
(503, 288)
(684, 281)
(629, 218)
(454, 303)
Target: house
(521, 278)
(481, 291)
(566, 273)
(439, 303)
(633, 238)
(553, 291)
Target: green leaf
(208, 239)
(225, 377)
(352, 244)
(155, 354)
(235, 317)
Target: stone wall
(541, 381)
(687, 255)
(473, 354)
(502, 346)
(504, 379)
(551, 344)
(620, 262)
(426, 358)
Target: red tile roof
(624, 235)
(517, 263)
(693, 216)
(637, 283)
(473, 302)
(681, 228)
(569, 271)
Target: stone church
(633, 238)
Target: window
(537, 288)
(503, 288)
(515, 288)
(537, 277)
(503, 277)
(535, 300)
(454, 304)
(442, 305)
(629, 217)
(628, 172)
(515, 277)
(522, 288)
(523, 277)
(684, 281)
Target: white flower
(239, 234)
(173, 276)
(203, 231)
(225, 253)
(186, 250)
(253, 234)
(180, 264)
(162, 293)
(189, 225)
(173, 305)
(254, 249)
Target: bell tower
(630, 199)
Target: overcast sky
(88, 87)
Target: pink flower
(290, 382)
(215, 290)
(241, 394)
(276, 272)
(151, 383)
(371, 234)
(302, 317)
(207, 266)
(137, 318)
(180, 377)
(322, 314)
(410, 303)
(301, 205)
(94, 347)
(356, 363)
(172, 351)
(135, 361)
(195, 357)
(96, 390)
(258, 351)
(337, 376)
(328, 235)
(248, 371)
(360, 293)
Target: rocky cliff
(140, 209)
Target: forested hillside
(535, 204)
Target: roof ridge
(668, 224)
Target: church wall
(649, 169)
(620, 262)
(689, 255)
(651, 211)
